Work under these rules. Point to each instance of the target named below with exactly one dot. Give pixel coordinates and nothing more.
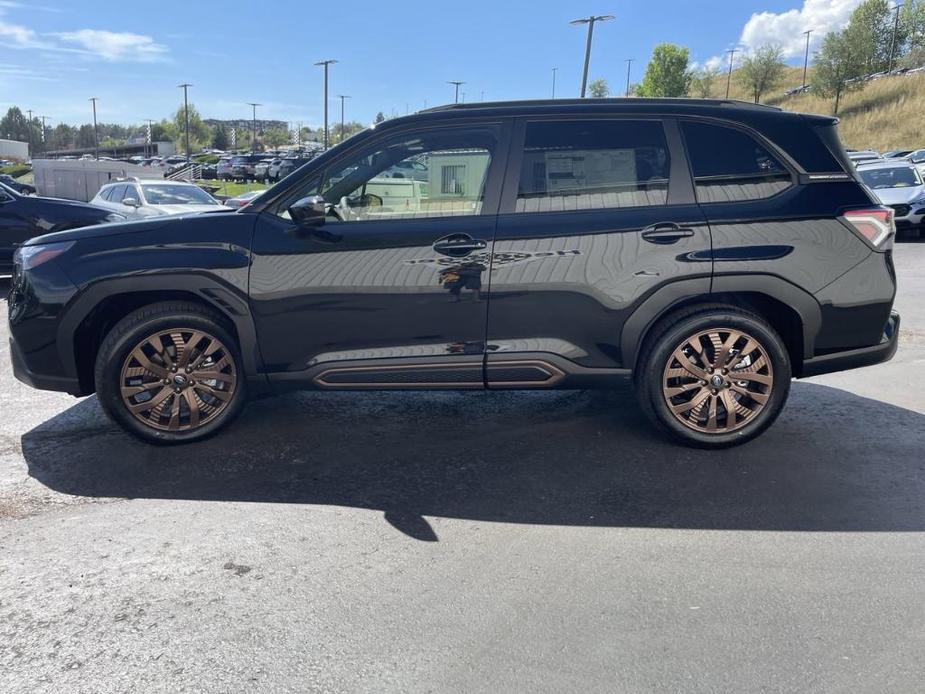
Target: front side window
(118, 192)
(595, 164)
(439, 173)
(731, 166)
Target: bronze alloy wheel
(178, 380)
(717, 381)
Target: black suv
(708, 250)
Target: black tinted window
(595, 164)
(730, 165)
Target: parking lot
(471, 542)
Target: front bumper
(857, 358)
(40, 381)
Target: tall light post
(629, 65)
(590, 21)
(185, 87)
(44, 141)
(806, 59)
(29, 133)
(325, 64)
(554, 71)
(254, 131)
(96, 132)
(896, 9)
(457, 85)
(732, 52)
(343, 98)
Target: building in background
(14, 149)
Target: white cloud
(786, 28)
(116, 46)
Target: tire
(688, 399)
(193, 342)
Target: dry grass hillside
(885, 114)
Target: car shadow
(833, 462)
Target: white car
(141, 198)
(898, 184)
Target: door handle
(664, 234)
(458, 245)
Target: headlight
(115, 217)
(29, 257)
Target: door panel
(391, 291)
(15, 228)
(600, 214)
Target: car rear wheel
(714, 377)
(170, 373)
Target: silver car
(898, 184)
(140, 198)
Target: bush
(15, 170)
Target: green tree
(762, 70)
(667, 73)
(380, 117)
(836, 67)
(274, 137)
(599, 89)
(912, 19)
(702, 82)
(200, 134)
(86, 136)
(220, 137)
(61, 137)
(870, 32)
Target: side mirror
(130, 202)
(308, 211)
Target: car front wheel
(170, 373)
(714, 377)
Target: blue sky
(55, 54)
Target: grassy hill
(884, 114)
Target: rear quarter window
(730, 165)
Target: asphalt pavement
(471, 542)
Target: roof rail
(617, 101)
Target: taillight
(874, 225)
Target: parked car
(273, 169)
(223, 169)
(289, 164)
(897, 153)
(22, 217)
(244, 167)
(141, 198)
(917, 159)
(21, 188)
(243, 199)
(261, 170)
(863, 155)
(899, 185)
(709, 251)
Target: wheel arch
(97, 309)
(792, 312)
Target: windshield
(897, 177)
(177, 195)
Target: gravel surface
(471, 542)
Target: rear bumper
(856, 358)
(40, 381)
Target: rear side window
(592, 165)
(731, 166)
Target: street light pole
(325, 64)
(629, 65)
(806, 59)
(184, 87)
(457, 85)
(344, 97)
(732, 52)
(149, 138)
(896, 9)
(254, 133)
(590, 21)
(29, 132)
(554, 71)
(44, 146)
(96, 132)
